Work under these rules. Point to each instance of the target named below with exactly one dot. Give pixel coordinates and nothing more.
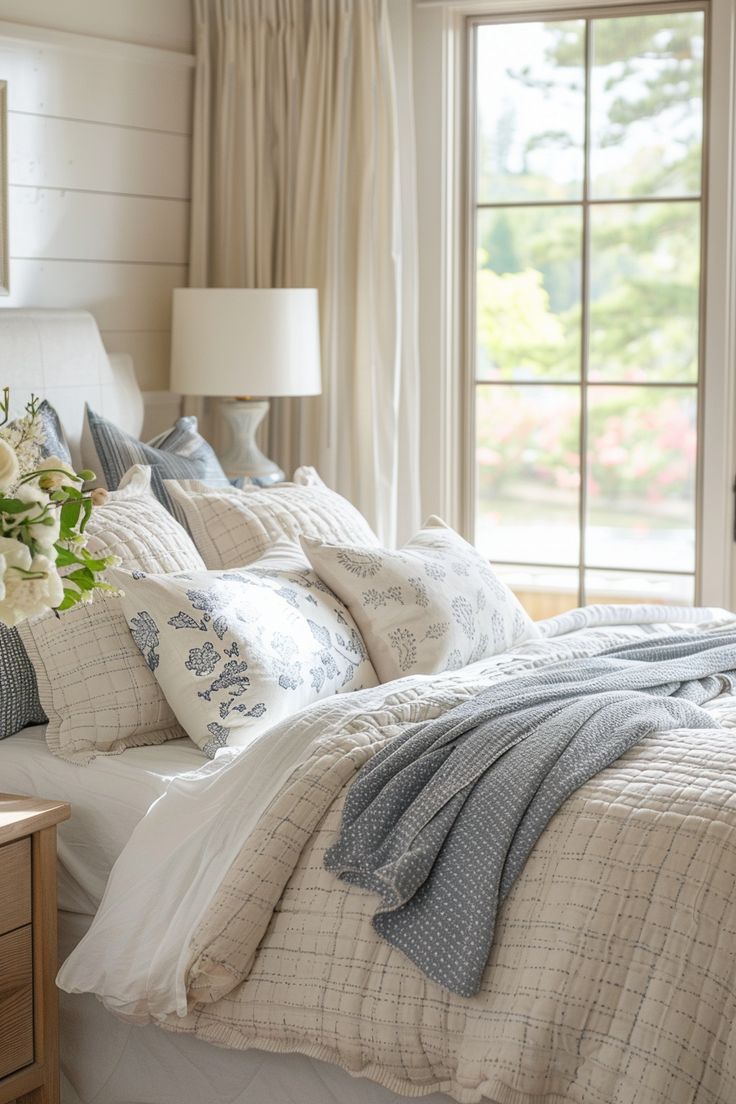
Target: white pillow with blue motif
(434, 605)
(235, 651)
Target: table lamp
(243, 342)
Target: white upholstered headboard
(59, 355)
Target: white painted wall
(163, 23)
(99, 128)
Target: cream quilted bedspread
(612, 979)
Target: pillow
(433, 606)
(50, 435)
(233, 527)
(99, 695)
(134, 526)
(237, 651)
(179, 453)
(19, 703)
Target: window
(587, 212)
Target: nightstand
(29, 1009)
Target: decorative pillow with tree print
(236, 651)
(434, 605)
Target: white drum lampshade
(243, 342)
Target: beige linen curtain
(301, 178)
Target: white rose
(9, 470)
(33, 495)
(57, 472)
(51, 589)
(12, 554)
(26, 597)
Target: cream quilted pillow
(136, 527)
(95, 688)
(434, 605)
(233, 527)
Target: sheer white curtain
(302, 178)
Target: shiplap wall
(99, 164)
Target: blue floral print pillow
(236, 651)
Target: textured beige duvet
(613, 975)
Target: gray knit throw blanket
(441, 821)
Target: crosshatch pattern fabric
(607, 981)
(237, 651)
(433, 605)
(98, 693)
(234, 527)
(179, 453)
(19, 703)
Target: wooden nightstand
(29, 1008)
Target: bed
(60, 355)
(238, 968)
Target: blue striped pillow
(179, 453)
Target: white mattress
(108, 799)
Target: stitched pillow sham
(179, 453)
(434, 605)
(98, 693)
(19, 702)
(233, 527)
(237, 651)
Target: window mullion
(584, 322)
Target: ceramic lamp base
(242, 456)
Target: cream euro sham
(233, 527)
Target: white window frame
(443, 159)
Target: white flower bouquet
(44, 510)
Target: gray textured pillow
(179, 453)
(19, 704)
(53, 441)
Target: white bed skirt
(106, 1061)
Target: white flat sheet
(108, 798)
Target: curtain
(301, 178)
